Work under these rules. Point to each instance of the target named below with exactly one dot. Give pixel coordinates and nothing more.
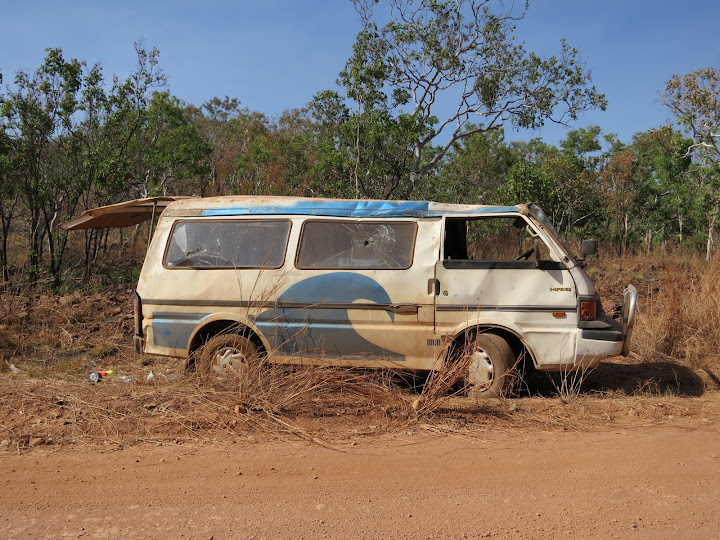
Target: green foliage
(70, 141)
(474, 170)
(462, 53)
(172, 150)
(695, 101)
(529, 182)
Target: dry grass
(56, 341)
(350, 409)
(679, 313)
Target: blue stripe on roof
(352, 209)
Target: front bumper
(630, 296)
(606, 337)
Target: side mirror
(589, 247)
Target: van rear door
(124, 214)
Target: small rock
(34, 442)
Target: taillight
(137, 314)
(588, 310)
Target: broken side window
(493, 239)
(356, 245)
(227, 244)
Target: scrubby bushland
(680, 314)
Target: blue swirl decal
(304, 322)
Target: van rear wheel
(229, 359)
(491, 367)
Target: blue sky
(275, 54)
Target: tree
(333, 163)
(227, 128)
(372, 144)
(665, 192)
(170, 149)
(463, 53)
(528, 182)
(108, 131)
(70, 143)
(474, 170)
(583, 141)
(695, 100)
(8, 197)
(616, 177)
(38, 117)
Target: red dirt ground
(631, 479)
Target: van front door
(498, 272)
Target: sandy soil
(656, 481)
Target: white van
(367, 283)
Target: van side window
(228, 244)
(357, 245)
(492, 239)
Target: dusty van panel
(372, 283)
(499, 271)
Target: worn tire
(229, 360)
(491, 370)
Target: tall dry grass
(678, 315)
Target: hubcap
(481, 368)
(229, 362)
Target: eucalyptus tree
(112, 121)
(38, 115)
(72, 143)
(446, 69)
(371, 143)
(666, 205)
(474, 170)
(8, 196)
(694, 99)
(228, 129)
(170, 153)
(618, 188)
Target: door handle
(434, 286)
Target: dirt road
(659, 481)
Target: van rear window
(228, 244)
(356, 245)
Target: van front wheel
(491, 367)
(228, 359)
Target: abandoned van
(367, 283)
